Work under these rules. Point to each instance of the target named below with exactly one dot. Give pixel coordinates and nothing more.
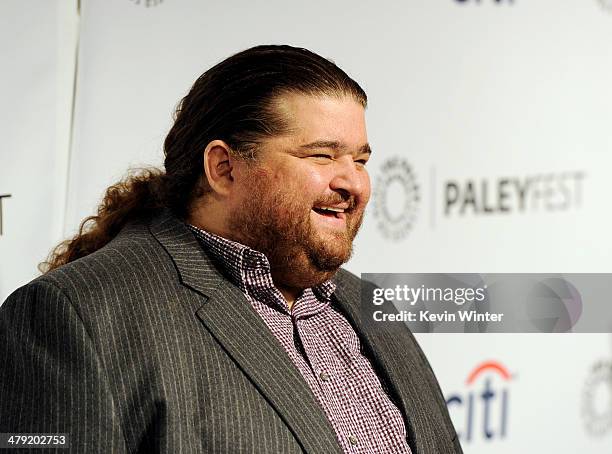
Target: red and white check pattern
(323, 346)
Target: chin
(329, 261)
(317, 278)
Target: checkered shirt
(323, 347)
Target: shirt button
(353, 440)
(324, 376)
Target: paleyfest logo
(396, 198)
(397, 194)
(550, 192)
(481, 410)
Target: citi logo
(480, 412)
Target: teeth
(337, 210)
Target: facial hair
(278, 224)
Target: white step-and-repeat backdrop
(490, 122)
(38, 49)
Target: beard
(277, 223)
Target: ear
(218, 166)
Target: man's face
(302, 202)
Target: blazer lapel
(232, 321)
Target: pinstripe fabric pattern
(143, 347)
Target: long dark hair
(234, 102)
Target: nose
(350, 178)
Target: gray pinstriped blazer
(143, 346)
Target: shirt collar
(247, 268)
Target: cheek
(304, 183)
(251, 185)
(317, 180)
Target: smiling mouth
(330, 213)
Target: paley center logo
(396, 198)
(481, 409)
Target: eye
(322, 158)
(361, 162)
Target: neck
(290, 294)
(292, 282)
(210, 218)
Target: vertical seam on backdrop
(72, 117)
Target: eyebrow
(334, 145)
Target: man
(204, 310)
